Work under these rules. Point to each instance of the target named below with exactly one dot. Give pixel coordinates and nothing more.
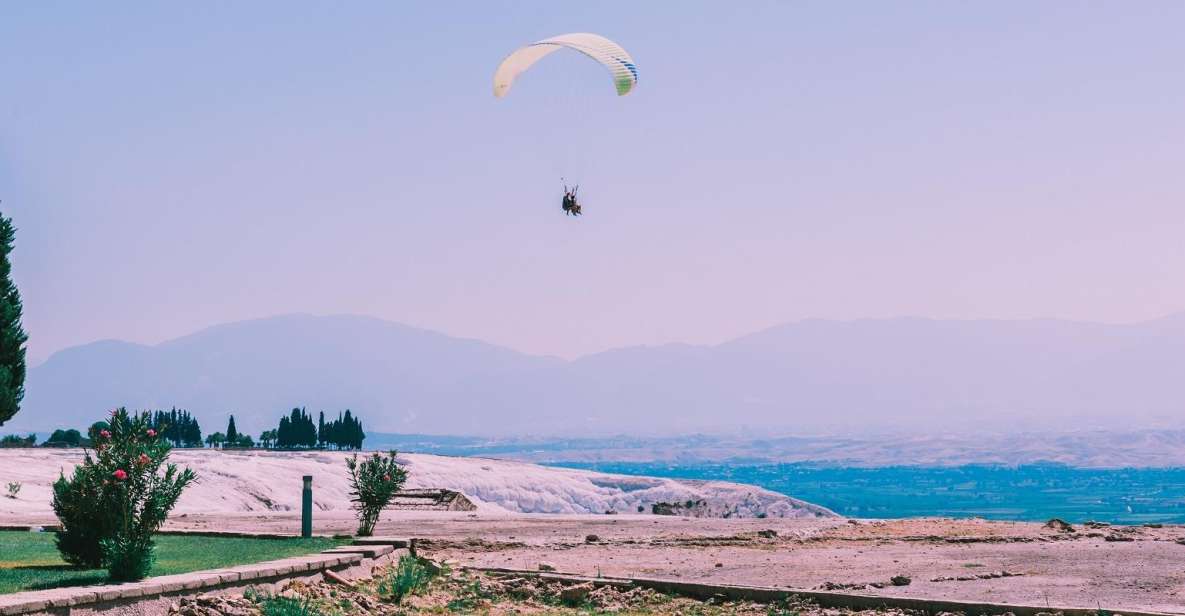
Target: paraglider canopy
(595, 46)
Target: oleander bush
(119, 496)
(373, 483)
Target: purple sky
(173, 166)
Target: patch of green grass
(29, 561)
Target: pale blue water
(1032, 492)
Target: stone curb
(397, 542)
(369, 551)
(71, 597)
(765, 594)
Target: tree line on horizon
(182, 430)
(297, 431)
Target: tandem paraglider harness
(571, 206)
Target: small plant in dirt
(117, 498)
(410, 577)
(13, 488)
(283, 605)
(373, 483)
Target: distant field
(29, 561)
(1030, 492)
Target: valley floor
(1116, 567)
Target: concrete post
(306, 508)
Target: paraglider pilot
(571, 206)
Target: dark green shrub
(373, 483)
(13, 440)
(75, 502)
(64, 438)
(117, 498)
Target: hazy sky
(176, 165)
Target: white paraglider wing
(595, 46)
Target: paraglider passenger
(571, 206)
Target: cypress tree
(284, 433)
(321, 430)
(348, 430)
(12, 335)
(232, 435)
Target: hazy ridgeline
(857, 377)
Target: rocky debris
(1093, 524)
(214, 606)
(701, 541)
(546, 567)
(1124, 533)
(692, 508)
(591, 538)
(842, 586)
(966, 539)
(576, 595)
(978, 576)
(468, 544)
(897, 580)
(767, 534)
(1060, 525)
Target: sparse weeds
(281, 605)
(408, 578)
(14, 488)
(784, 607)
(471, 596)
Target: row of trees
(345, 432)
(181, 429)
(231, 438)
(297, 431)
(178, 427)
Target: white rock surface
(258, 481)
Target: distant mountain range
(897, 375)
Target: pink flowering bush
(373, 483)
(117, 498)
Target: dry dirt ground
(467, 592)
(1117, 567)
